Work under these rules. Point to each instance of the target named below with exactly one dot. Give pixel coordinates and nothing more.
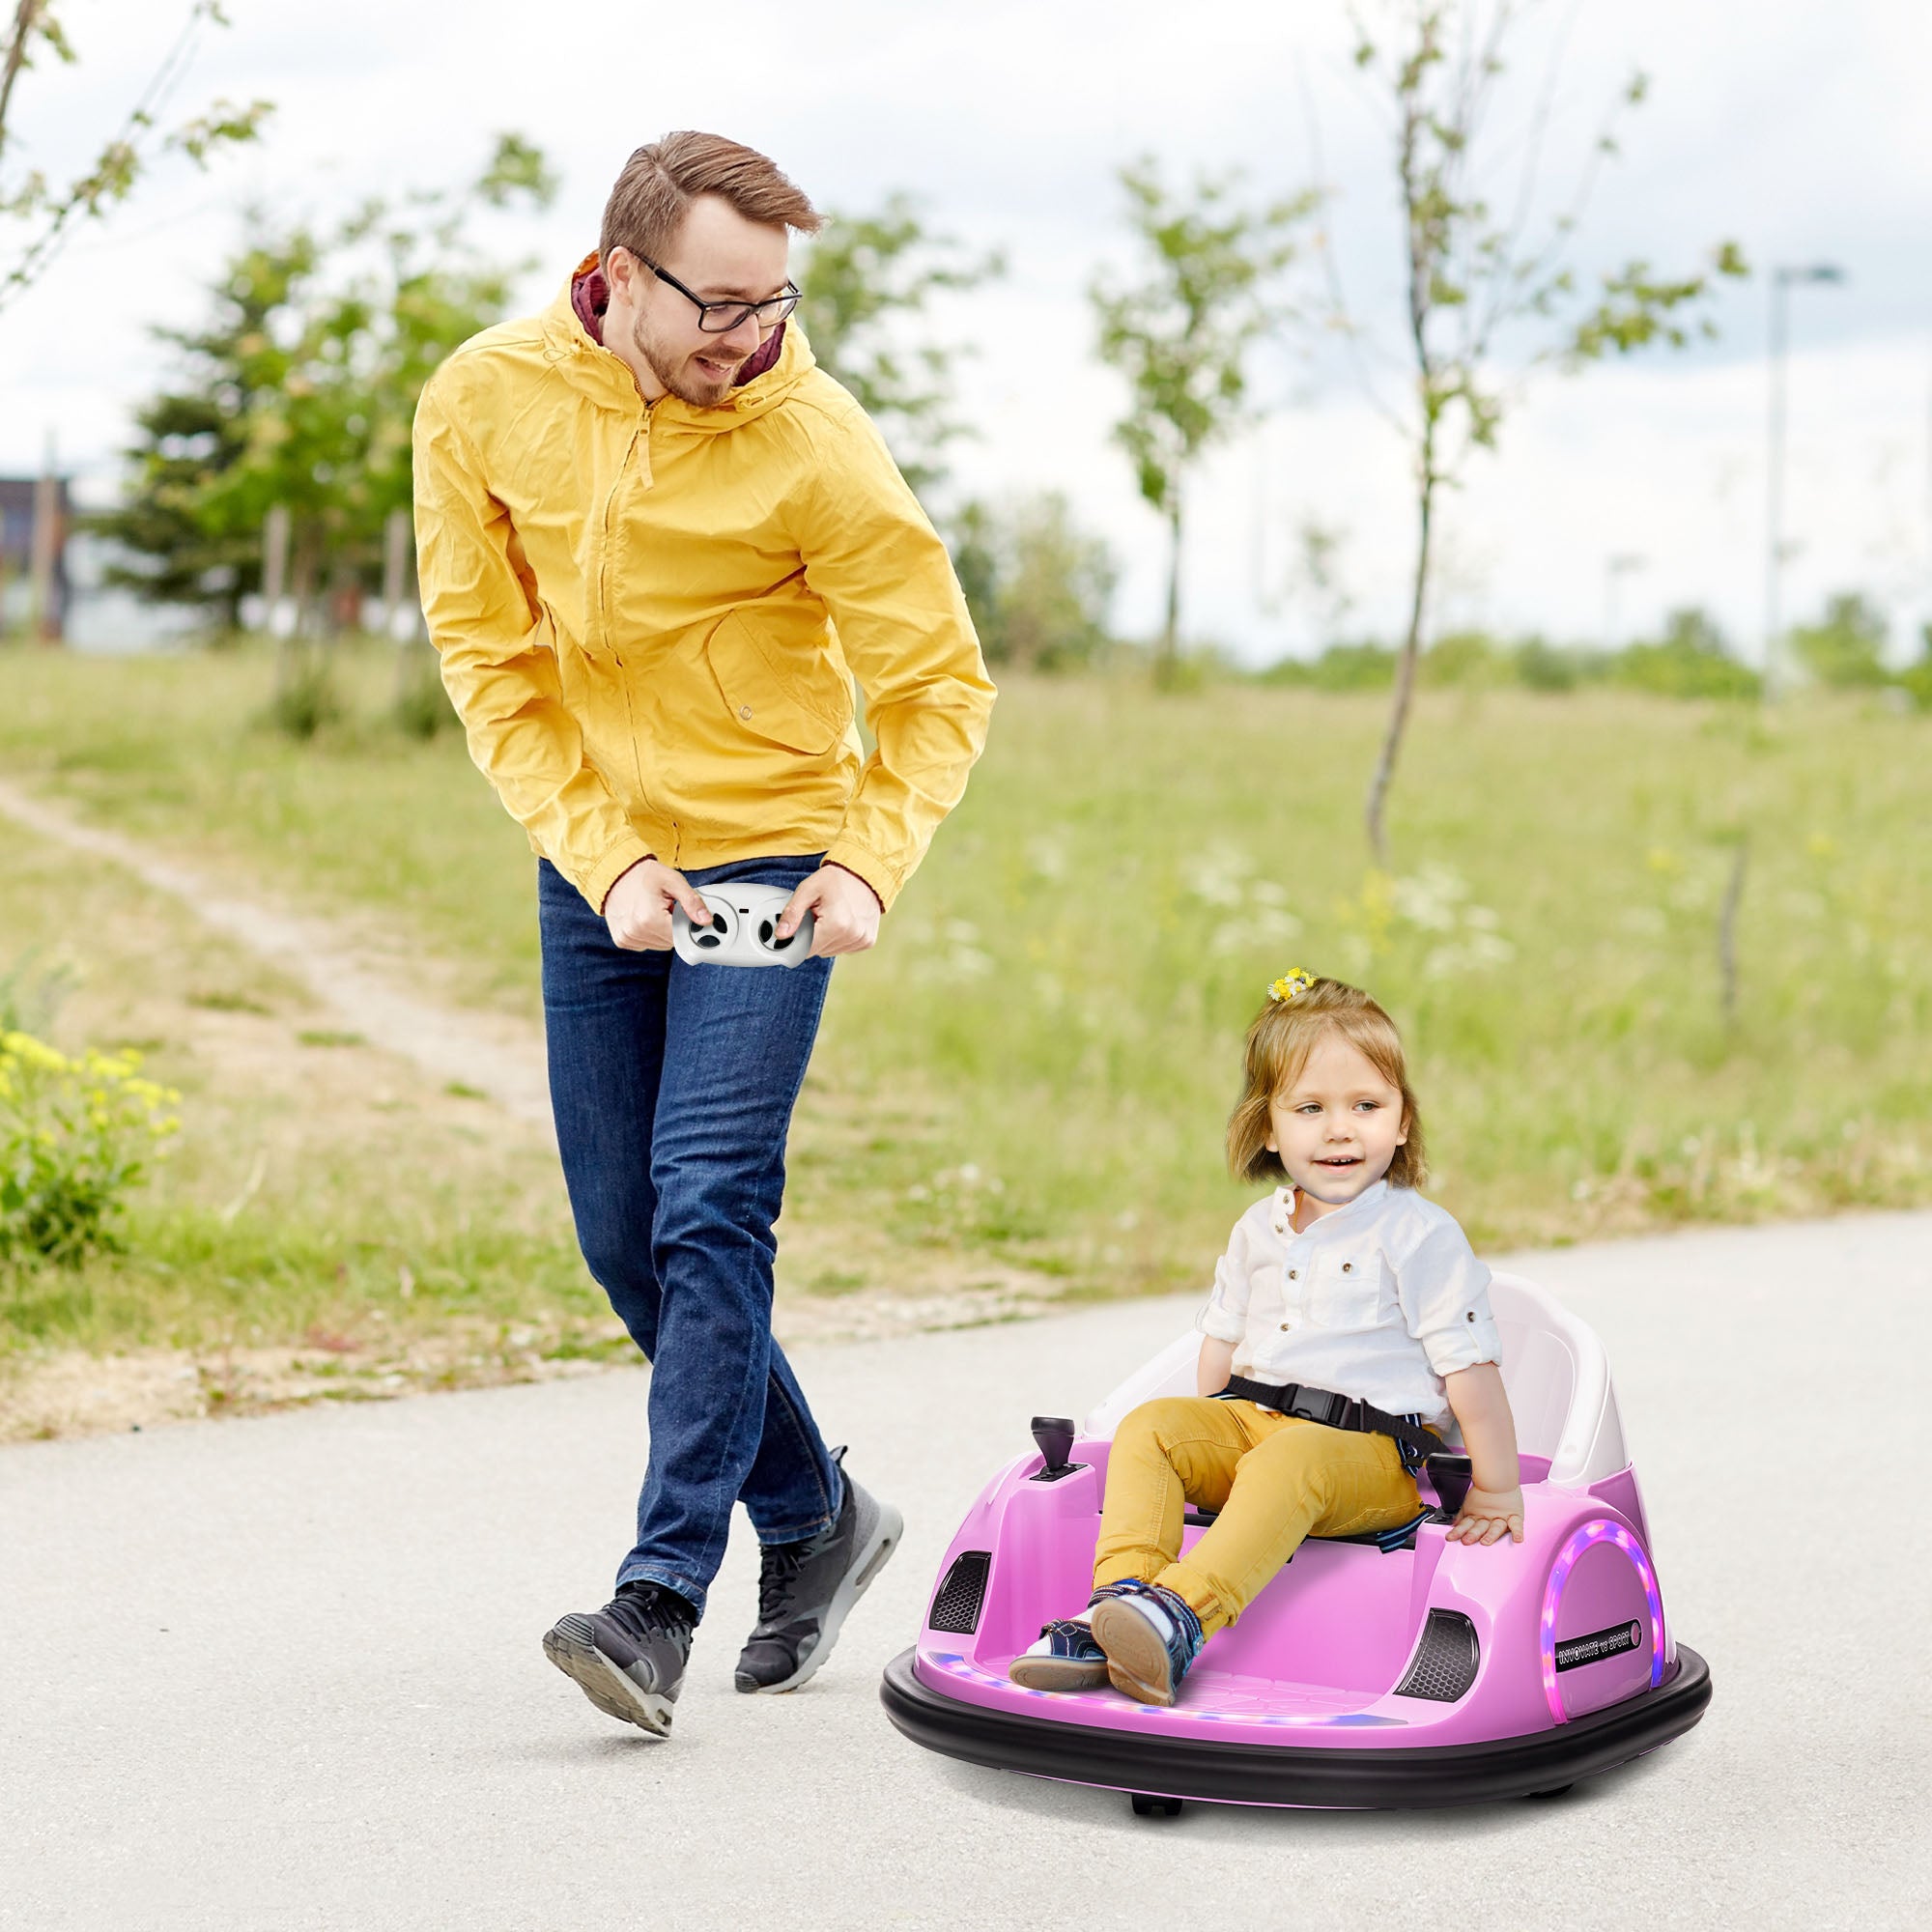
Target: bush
(1916, 679)
(1464, 658)
(1363, 667)
(74, 1137)
(305, 698)
(1846, 648)
(1690, 660)
(422, 706)
(1540, 665)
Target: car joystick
(710, 938)
(1055, 1435)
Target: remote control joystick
(1055, 1435)
(743, 931)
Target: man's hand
(845, 911)
(638, 908)
(1487, 1516)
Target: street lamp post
(1781, 280)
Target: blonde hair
(661, 181)
(1278, 1041)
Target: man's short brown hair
(661, 181)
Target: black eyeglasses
(720, 318)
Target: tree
(198, 544)
(1478, 284)
(1039, 588)
(1181, 337)
(300, 388)
(866, 276)
(1846, 648)
(51, 211)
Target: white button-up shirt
(1378, 1300)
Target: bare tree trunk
(1422, 249)
(290, 646)
(1166, 664)
(400, 621)
(25, 14)
(274, 566)
(1405, 670)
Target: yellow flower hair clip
(1294, 980)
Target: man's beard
(674, 376)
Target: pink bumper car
(1390, 1670)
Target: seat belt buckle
(1321, 1406)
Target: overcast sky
(1797, 130)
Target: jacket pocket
(1345, 1290)
(768, 697)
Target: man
(656, 544)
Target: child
(1345, 1283)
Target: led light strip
(1600, 1531)
(954, 1664)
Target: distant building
(85, 613)
(17, 496)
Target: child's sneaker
(1065, 1657)
(1150, 1637)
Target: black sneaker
(628, 1657)
(805, 1590)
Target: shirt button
(1290, 1274)
(1284, 1327)
(1472, 1315)
(743, 711)
(1347, 1267)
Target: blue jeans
(672, 1086)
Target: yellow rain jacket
(649, 616)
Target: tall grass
(1035, 1063)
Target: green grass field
(321, 1200)
(1033, 1067)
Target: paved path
(284, 1672)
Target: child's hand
(1486, 1516)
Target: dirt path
(490, 1053)
(355, 978)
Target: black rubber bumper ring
(1361, 1777)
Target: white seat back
(1559, 1382)
(1554, 1371)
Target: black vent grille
(956, 1606)
(1446, 1660)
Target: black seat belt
(1416, 1440)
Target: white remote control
(743, 930)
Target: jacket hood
(573, 341)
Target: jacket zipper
(610, 507)
(643, 436)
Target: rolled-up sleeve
(500, 663)
(1225, 1317)
(1444, 1293)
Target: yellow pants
(1274, 1479)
